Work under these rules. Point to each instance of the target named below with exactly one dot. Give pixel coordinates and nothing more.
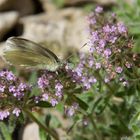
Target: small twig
(49, 131)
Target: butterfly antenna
(73, 53)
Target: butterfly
(28, 54)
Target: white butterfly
(25, 53)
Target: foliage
(130, 13)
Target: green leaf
(44, 104)
(35, 91)
(14, 70)
(120, 93)
(33, 78)
(48, 137)
(42, 134)
(11, 123)
(55, 122)
(47, 119)
(60, 107)
(101, 106)
(138, 137)
(134, 30)
(81, 103)
(96, 103)
(5, 132)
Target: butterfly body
(28, 54)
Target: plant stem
(97, 133)
(49, 131)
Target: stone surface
(23, 7)
(4, 4)
(31, 132)
(76, 2)
(68, 27)
(47, 5)
(8, 21)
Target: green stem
(49, 131)
(97, 133)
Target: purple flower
(85, 121)
(113, 15)
(58, 86)
(43, 82)
(10, 76)
(12, 88)
(22, 87)
(16, 111)
(113, 28)
(92, 49)
(92, 80)
(121, 28)
(107, 52)
(54, 102)
(18, 94)
(59, 94)
(106, 29)
(98, 9)
(106, 80)
(90, 62)
(45, 97)
(94, 36)
(119, 69)
(87, 85)
(75, 105)
(2, 88)
(87, 82)
(113, 39)
(128, 65)
(69, 111)
(90, 46)
(91, 19)
(98, 65)
(102, 43)
(125, 83)
(4, 114)
(78, 71)
(37, 99)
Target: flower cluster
(51, 88)
(108, 43)
(109, 47)
(80, 74)
(12, 92)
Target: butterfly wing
(22, 52)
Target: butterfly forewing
(22, 52)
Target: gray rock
(68, 27)
(48, 5)
(31, 132)
(4, 4)
(23, 7)
(8, 21)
